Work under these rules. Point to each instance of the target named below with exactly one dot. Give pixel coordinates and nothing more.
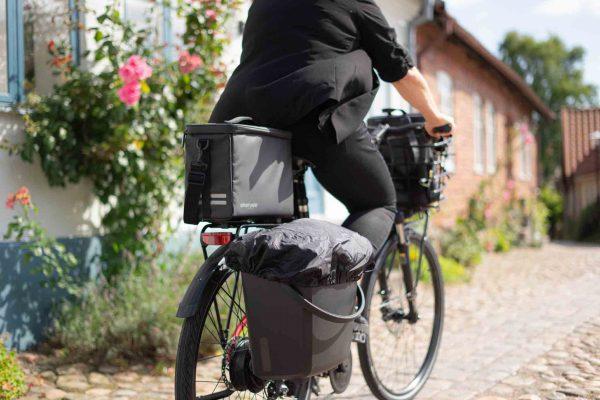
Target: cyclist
(307, 66)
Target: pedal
(360, 330)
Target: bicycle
(215, 332)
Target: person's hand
(437, 121)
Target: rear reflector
(216, 238)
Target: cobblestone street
(526, 327)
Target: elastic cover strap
(326, 315)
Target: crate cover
(304, 252)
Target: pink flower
(510, 184)
(506, 195)
(10, 201)
(189, 62)
(135, 69)
(130, 93)
(487, 212)
(528, 138)
(524, 128)
(211, 14)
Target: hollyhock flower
(510, 184)
(528, 138)
(487, 212)
(10, 201)
(130, 93)
(189, 62)
(506, 195)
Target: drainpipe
(426, 15)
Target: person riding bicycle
(307, 66)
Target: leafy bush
(117, 123)
(462, 244)
(133, 318)
(502, 240)
(540, 222)
(12, 379)
(453, 271)
(554, 202)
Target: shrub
(554, 202)
(133, 318)
(540, 222)
(453, 271)
(12, 379)
(462, 244)
(502, 240)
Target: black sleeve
(378, 39)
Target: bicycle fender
(189, 304)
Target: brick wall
(470, 75)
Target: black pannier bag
(300, 315)
(236, 171)
(414, 163)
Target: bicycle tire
(375, 384)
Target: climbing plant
(118, 120)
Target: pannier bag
(299, 283)
(413, 162)
(298, 332)
(303, 252)
(236, 171)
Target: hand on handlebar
(441, 126)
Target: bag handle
(326, 315)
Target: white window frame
(525, 156)
(491, 137)
(478, 135)
(445, 87)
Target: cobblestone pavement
(527, 325)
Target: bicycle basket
(415, 161)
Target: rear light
(216, 238)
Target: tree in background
(555, 73)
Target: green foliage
(51, 257)
(540, 215)
(12, 378)
(586, 227)
(554, 202)
(131, 154)
(555, 73)
(502, 240)
(462, 243)
(453, 271)
(130, 319)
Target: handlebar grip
(443, 129)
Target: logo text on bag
(248, 205)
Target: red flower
(10, 201)
(51, 46)
(23, 196)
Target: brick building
(581, 161)
(493, 109)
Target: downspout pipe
(426, 15)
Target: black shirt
(299, 55)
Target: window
(11, 51)
(490, 138)
(146, 14)
(446, 92)
(526, 143)
(478, 135)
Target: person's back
(307, 66)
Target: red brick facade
(471, 76)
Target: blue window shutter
(15, 52)
(167, 33)
(75, 37)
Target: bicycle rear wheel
(213, 352)
(399, 355)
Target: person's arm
(414, 88)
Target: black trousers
(354, 172)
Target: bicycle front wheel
(399, 353)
